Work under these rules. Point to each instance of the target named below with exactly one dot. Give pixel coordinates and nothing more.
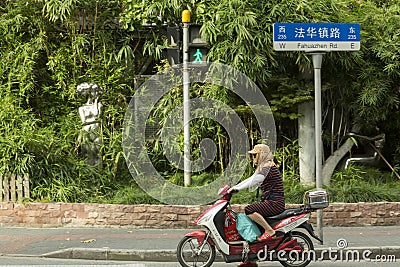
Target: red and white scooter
(198, 248)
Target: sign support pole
(317, 62)
(187, 168)
(317, 38)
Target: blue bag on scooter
(247, 228)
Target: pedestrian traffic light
(198, 55)
(174, 36)
(198, 47)
(173, 53)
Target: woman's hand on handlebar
(232, 190)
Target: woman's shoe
(265, 237)
(248, 264)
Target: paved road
(30, 261)
(158, 245)
(38, 241)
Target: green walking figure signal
(198, 56)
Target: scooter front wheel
(189, 254)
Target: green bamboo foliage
(49, 47)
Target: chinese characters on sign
(316, 37)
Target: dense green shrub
(47, 48)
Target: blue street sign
(316, 36)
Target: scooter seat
(287, 213)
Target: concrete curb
(113, 254)
(333, 254)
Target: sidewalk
(160, 244)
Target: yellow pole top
(186, 16)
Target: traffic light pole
(186, 100)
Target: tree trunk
(331, 163)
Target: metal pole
(187, 168)
(317, 62)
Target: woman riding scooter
(268, 178)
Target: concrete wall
(164, 216)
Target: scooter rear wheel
(299, 259)
(188, 255)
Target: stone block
(392, 213)
(328, 222)
(204, 208)
(38, 206)
(336, 207)
(341, 222)
(46, 213)
(8, 206)
(375, 207)
(364, 221)
(30, 220)
(377, 221)
(153, 223)
(79, 207)
(169, 216)
(125, 222)
(66, 220)
(90, 207)
(127, 208)
(117, 215)
(174, 209)
(381, 213)
(141, 216)
(343, 214)
(69, 214)
(138, 223)
(66, 207)
(34, 213)
(56, 214)
(19, 207)
(93, 214)
(392, 221)
(82, 214)
(188, 218)
(351, 222)
(139, 209)
(53, 206)
(329, 215)
(8, 213)
(351, 207)
(195, 210)
(392, 206)
(114, 222)
(105, 214)
(356, 214)
(153, 208)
